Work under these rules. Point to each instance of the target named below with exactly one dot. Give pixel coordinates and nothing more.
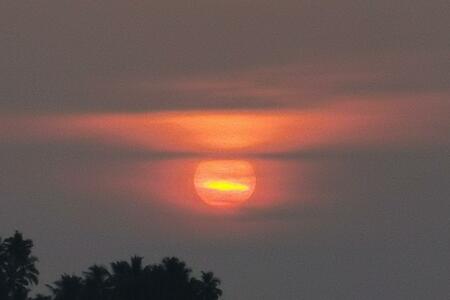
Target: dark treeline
(123, 280)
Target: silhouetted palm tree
(3, 288)
(68, 287)
(97, 284)
(210, 287)
(18, 270)
(129, 279)
(176, 279)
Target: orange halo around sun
(224, 182)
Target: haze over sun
(300, 149)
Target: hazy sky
(342, 108)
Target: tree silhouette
(3, 288)
(17, 267)
(97, 284)
(129, 279)
(210, 287)
(126, 280)
(176, 281)
(69, 287)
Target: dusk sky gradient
(341, 107)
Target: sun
(224, 182)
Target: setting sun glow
(224, 182)
(225, 185)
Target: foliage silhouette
(68, 287)
(124, 280)
(17, 268)
(210, 287)
(97, 283)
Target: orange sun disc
(224, 182)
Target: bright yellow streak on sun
(225, 183)
(225, 186)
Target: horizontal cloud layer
(171, 55)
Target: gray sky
(103, 105)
